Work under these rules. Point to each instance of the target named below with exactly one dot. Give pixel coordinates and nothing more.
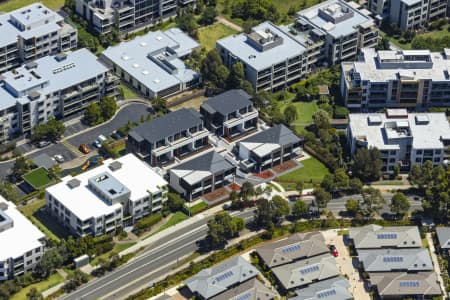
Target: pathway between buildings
(228, 23)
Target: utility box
(81, 261)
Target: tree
(247, 87)
(34, 294)
(321, 119)
(341, 180)
(299, 187)
(50, 261)
(186, 22)
(367, 164)
(322, 197)
(8, 191)
(174, 202)
(280, 208)
(400, 203)
(328, 183)
(208, 16)
(75, 279)
(263, 213)
(352, 206)
(422, 175)
(160, 105)
(51, 131)
(108, 106)
(373, 201)
(236, 76)
(223, 227)
(299, 209)
(213, 69)
(247, 191)
(290, 114)
(93, 114)
(21, 166)
(355, 185)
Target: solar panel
(409, 284)
(386, 236)
(291, 248)
(224, 276)
(390, 259)
(244, 296)
(309, 269)
(325, 294)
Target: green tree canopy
(400, 203)
(290, 114)
(300, 208)
(367, 164)
(93, 114)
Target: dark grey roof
(211, 161)
(443, 234)
(330, 289)
(386, 260)
(167, 125)
(43, 160)
(296, 246)
(213, 281)
(405, 284)
(227, 102)
(250, 290)
(278, 134)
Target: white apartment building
(116, 194)
(403, 138)
(396, 78)
(32, 32)
(53, 86)
(21, 243)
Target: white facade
(21, 243)
(101, 200)
(403, 138)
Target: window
(419, 152)
(29, 253)
(437, 159)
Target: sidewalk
(434, 258)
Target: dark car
(115, 135)
(333, 250)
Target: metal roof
(443, 234)
(250, 290)
(330, 289)
(211, 161)
(386, 260)
(228, 102)
(374, 236)
(406, 284)
(278, 134)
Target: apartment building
(344, 28)
(31, 32)
(153, 63)
(23, 244)
(169, 138)
(201, 175)
(117, 193)
(396, 78)
(126, 15)
(53, 86)
(268, 148)
(230, 114)
(403, 138)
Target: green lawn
(407, 46)
(38, 178)
(53, 280)
(305, 110)
(117, 248)
(198, 207)
(128, 93)
(210, 34)
(311, 173)
(15, 4)
(174, 219)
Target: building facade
(153, 63)
(53, 86)
(124, 16)
(104, 199)
(404, 139)
(169, 138)
(201, 175)
(268, 148)
(230, 114)
(32, 32)
(23, 244)
(391, 78)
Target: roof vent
(158, 38)
(125, 57)
(156, 80)
(60, 57)
(3, 206)
(73, 183)
(135, 66)
(143, 44)
(114, 166)
(145, 72)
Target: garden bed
(290, 164)
(234, 187)
(265, 174)
(216, 195)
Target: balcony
(241, 119)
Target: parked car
(59, 158)
(98, 142)
(115, 135)
(84, 149)
(334, 251)
(43, 144)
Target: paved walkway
(434, 258)
(228, 23)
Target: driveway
(345, 265)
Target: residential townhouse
(32, 32)
(443, 236)
(53, 86)
(23, 244)
(395, 260)
(102, 200)
(396, 78)
(306, 271)
(214, 281)
(268, 148)
(404, 139)
(230, 114)
(153, 63)
(295, 247)
(334, 288)
(376, 237)
(252, 289)
(124, 16)
(168, 138)
(201, 175)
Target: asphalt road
(157, 260)
(132, 112)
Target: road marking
(72, 148)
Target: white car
(59, 158)
(98, 142)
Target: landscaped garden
(210, 34)
(38, 178)
(53, 280)
(311, 173)
(11, 5)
